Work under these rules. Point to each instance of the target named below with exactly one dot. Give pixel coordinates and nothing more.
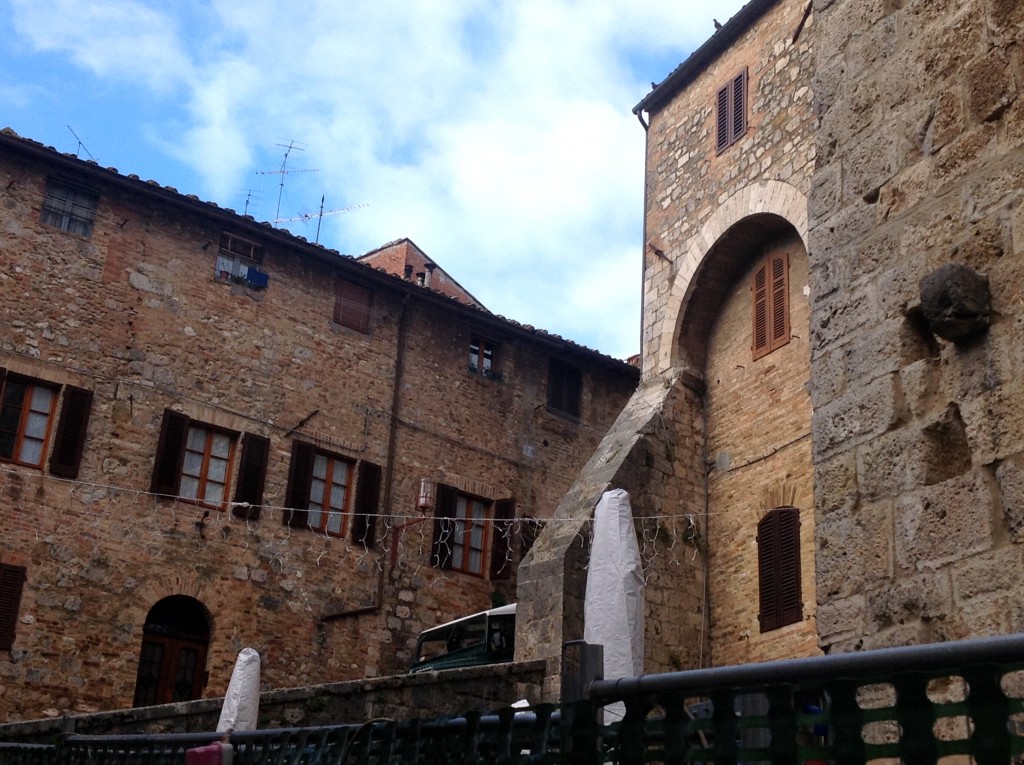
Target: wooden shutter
(722, 119)
(444, 527)
(778, 265)
(12, 580)
(252, 474)
(790, 601)
(352, 306)
(364, 523)
(69, 442)
(731, 112)
(738, 107)
(759, 287)
(170, 454)
(770, 289)
(778, 552)
(501, 549)
(300, 478)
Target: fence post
(582, 664)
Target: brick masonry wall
(688, 182)
(134, 314)
(918, 442)
(759, 416)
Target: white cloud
(111, 38)
(497, 135)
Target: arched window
(778, 563)
(172, 664)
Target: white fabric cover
(242, 701)
(614, 606)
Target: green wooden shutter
(69, 441)
(444, 527)
(12, 580)
(170, 454)
(300, 478)
(252, 474)
(364, 522)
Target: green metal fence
(951, 702)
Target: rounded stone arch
(172, 658)
(711, 258)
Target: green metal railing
(920, 704)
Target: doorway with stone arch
(745, 325)
(172, 660)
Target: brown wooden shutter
(352, 306)
(501, 558)
(738, 107)
(790, 600)
(69, 441)
(759, 288)
(444, 527)
(779, 298)
(252, 474)
(722, 119)
(170, 454)
(364, 523)
(778, 553)
(12, 580)
(300, 478)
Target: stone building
(715, 445)
(214, 434)
(826, 450)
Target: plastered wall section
(759, 454)
(687, 181)
(134, 314)
(918, 442)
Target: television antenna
(81, 146)
(288, 148)
(307, 217)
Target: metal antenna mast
(306, 217)
(283, 172)
(81, 146)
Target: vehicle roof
(499, 611)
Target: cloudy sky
(496, 134)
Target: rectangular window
(565, 382)
(237, 261)
(770, 289)
(328, 494)
(482, 356)
(731, 112)
(193, 461)
(69, 209)
(352, 306)
(12, 580)
(27, 409)
(778, 561)
(205, 471)
(470, 531)
(26, 416)
(319, 494)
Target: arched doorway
(172, 663)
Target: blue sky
(497, 135)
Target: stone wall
(134, 314)
(918, 440)
(423, 696)
(642, 453)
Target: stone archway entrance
(172, 661)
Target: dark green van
(484, 638)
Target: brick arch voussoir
(776, 197)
